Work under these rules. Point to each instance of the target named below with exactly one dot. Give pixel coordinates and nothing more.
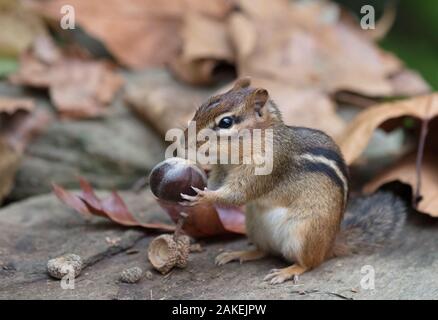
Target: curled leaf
(207, 220)
(11, 105)
(113, 207)
(356, 136)
(405, 171)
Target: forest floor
(34, 230)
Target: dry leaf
(138, 33)
(163, 102)
(205, 45)
(307, 44)
(202, 221)
(78, 88)
(205, 38)
(83, 89)
(11, 105)
(16, 131)
(355, 139)
(405, 171)
(207, 220)
(194, 72)
(18, 28)
(9, 162)
(356, 136)
(303, 107)
(409, 83)
(112, 207)
(21, 128)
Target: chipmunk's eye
(226, 122)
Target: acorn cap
(164, 252)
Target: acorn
(173, 176)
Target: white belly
(273, 230)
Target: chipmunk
(299, 211)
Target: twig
(179, 225)
(420, 156)
(304, 292)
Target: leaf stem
(420, 155)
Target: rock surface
(35, 230)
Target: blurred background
(90, 87)
(413, 36)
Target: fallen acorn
(69, 264)
(167, 251)
(131, 275)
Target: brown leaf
(202, 221)
(409, 83)
(405, 171)
(11, 105)
(164, 102)
(142, 33)
(83, 89)
(205, 44)
(78, 88)
(355, 139)
(21, 128)
(16, 131)
(18, 28)
(304, 107)
(356, 136)
(307, 45)
(9, 162)
(207, 220)
(194, 72)
(205, 38)
(112, 207)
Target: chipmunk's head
(242, 107)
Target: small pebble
(131, 275)
(196, 247)
(63, 265)
(148, 275)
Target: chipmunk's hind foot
(276, 276)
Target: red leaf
(113, 207)
(202, 221)
(233, 218)
(207, 220)
(71, 200)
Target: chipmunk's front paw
(202, 196)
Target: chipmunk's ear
(258, 99)
(241, 83)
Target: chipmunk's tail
(371, 221)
